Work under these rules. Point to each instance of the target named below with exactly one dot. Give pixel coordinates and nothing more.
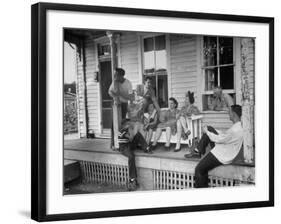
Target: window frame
(219, 66)
(236, 72)
(141, 55)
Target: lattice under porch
(162, 179)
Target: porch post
(248, 102)
(116, 108)
(81, 88)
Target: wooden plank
(157, 179)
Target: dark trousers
(205, 141)
(207, 163)
(128, 151)
(123, 116)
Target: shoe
(132, 185)
(192, 154)
(152, 147)
(177, 150)
(113, 148)
(167, 148)
(148, 150)
(194, 144)
(187, 133)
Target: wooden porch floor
(103, 145)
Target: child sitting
(150, 122)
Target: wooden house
(176, 62)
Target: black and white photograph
(149, 111)
(141, 112)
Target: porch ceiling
(70, 34)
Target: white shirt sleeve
(220, 138)
(130, 87)
(111, 88)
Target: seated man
(225, 147)
(220, 101)
(128, 142)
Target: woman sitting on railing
(168, 122)
(186, 111)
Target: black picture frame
(39, 108)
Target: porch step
(71, 170)
(104, 136)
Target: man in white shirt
(225, 147)
(121, 91)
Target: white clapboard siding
(183, 66)
(129, 57)
(93, 88)
(218, 120)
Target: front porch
(160, 170)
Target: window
(218, 66)
(155, 66)
(104, 50)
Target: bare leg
(149, 134)
(168, 136)
(138, 127)
(183, 123)
(141, 130)
(157, 135)
(145, 135)
(179, 131)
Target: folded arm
(154, 122)
(113, 90)
(220, 138)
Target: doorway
(106, 100)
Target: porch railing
(194, 124)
